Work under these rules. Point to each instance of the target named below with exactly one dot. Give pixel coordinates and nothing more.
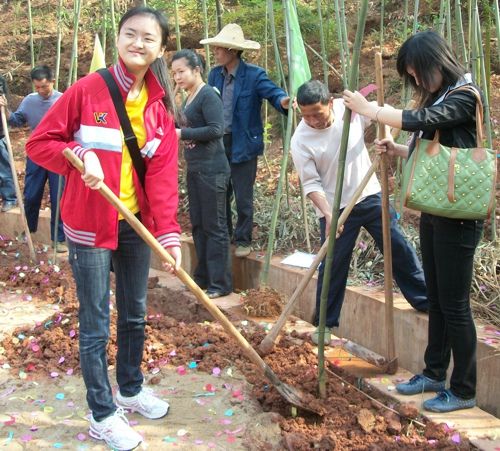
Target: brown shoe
(242, 251)
(61, 247)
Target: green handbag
(448, 181)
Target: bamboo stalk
(30, 21)
(218, 10)
(322, 41)
(496, 11)
(487, 117)
(340, 38)
(113, 29)
(284, 166)
(104, 32)
(335, 71)
(460, 32)
(345, 40)
(415, 16)
(279, 66)
(442, 19)
(73, 68)
(205, 30)
(353, 84)
(449, 36)
(58, 42)
(177, 30)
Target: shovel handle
(146, 235)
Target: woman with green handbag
(426, 63)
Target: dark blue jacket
(252, 85)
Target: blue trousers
(91, 269)
(7, 190)
(448, 247)
(406, 267)
(207, 210)
(34, 185)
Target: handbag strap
(479, 112)
(128, 133)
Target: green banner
(298, 65)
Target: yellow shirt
(135, 111)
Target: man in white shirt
(315, 152)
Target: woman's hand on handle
(93, 174)
(175, 253)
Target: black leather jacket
(455, 117)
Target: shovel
(267, 343)
(292, 395)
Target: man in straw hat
(243, 87)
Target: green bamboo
(218, 12)
(340, 38)
(473, 43)
(277, 58)
(73, 67)
(266, 104)
(496, 12)
(205, 28)
(449, 36)
(487, 46)
(322, 41)
(442, 19)
(113, 28)
(177, 29)
(484, 85)
(32, 48)
(264, 275)
(415, 16)
(353, 85)
(343, 26)
(405, 22)
(58, 42)
(470, 34)
(104, 33)
(381, 36)
(460, 32)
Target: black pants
(207, 209)
(406, 267)
(448, 247)
(241, 185)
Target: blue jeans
(91, 269)
(406, 267)
(7, 190)
(34, 185)
(207, 210)
(448, 247)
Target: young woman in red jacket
(85, 120)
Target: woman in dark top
(207, 174)
(448, 245)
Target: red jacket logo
(100, 118)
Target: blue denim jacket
(252, 86)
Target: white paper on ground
(300, 259)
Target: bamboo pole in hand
(353, 85)
(386, 232)
(19, 195)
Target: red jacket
(84, 118)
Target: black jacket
(455, 117)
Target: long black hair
(425, 52)
(159, 66)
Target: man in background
(243, 87)
(30, 112)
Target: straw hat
(231, 37)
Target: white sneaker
(145, 403)
(115, 431)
